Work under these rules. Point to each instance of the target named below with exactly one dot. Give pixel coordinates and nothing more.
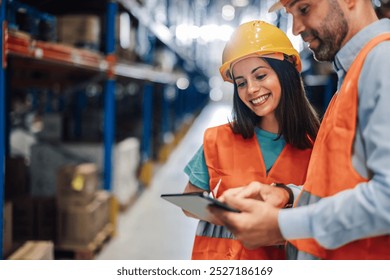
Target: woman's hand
(277, 197)
(191, 188)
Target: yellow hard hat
(257, 38)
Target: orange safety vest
(238, 161)
(334, 143)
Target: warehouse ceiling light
(228, 12)
(163, 32)
(211, 32)
(185, 34)
(240, 3)
(182, 83)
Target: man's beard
(334, 30)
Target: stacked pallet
(82, 210)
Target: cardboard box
(76, 184)
(78, 225)
(104, 198)
(79, 30)
(34, 250)
(126, 160)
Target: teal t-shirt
(197, 171)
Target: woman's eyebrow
(253, 71)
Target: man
(343, 209)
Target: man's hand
(256, 225)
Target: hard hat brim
(277, 6)
(225, 69)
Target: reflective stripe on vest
(334, 143)
(211, 230)
(238, 162)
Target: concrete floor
(154, 229)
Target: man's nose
(298, 26)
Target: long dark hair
(298, 121)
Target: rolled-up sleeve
(197, 171)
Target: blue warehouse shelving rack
(105, 65)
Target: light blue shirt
(365, 210)
(197, 170)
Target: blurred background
(102, 105)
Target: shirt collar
(346, 55)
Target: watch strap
(290, 202)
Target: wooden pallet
(87, 252)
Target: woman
(269, 139)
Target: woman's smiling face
(258, 85)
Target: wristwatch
(290, 202)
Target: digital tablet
(196, 203)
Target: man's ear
(350, 3)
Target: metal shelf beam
(18, 44)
